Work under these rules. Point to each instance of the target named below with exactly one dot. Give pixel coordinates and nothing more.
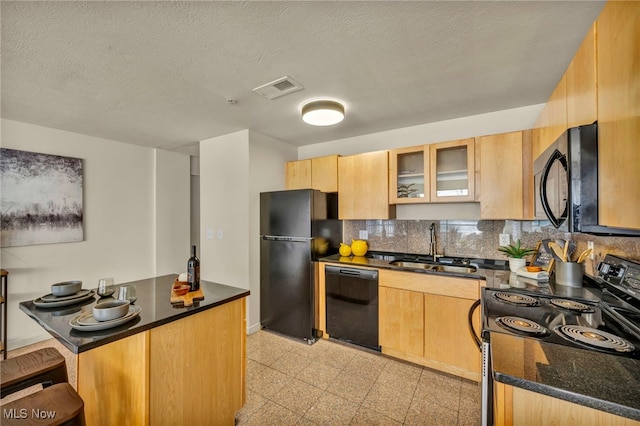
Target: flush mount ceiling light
(322, 112)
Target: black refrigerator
(296, 228)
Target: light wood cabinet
(170, 374)
(618, 50)
(423, 319)
(319, 173)
(363, 186)
(440, 172)
(452, 171)
(324, 173)
(446, 333)
(582, 101)
(520, 407)
(401, 320)
(297, 174)
(506, 176)
(204, 375)
(552, 121)
(113, 380)
(409, 175)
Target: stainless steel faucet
(433, 243)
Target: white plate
(42, 304)
(51, 298)
(89, 323)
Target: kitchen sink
(457, 269)
(434, 267)
(412, 265)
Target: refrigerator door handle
(279, 238)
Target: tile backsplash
(479, 238)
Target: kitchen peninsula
(170, 365)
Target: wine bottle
(193, 270)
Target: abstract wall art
(41, 198)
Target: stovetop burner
(517, 299)
(572, 305)
(594, 338)
(522, 325)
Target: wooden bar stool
(45, 366)
(58, 404)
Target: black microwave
(566, 184)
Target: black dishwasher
(352, 305)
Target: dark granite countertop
(153, 296)
(594, 379)
(382, 261)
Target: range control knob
(609, 269)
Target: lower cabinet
(401, 320)
(423, 319)
(520, 407)
(188, 371)
(447, 337)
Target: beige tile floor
(329, 383)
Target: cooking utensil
(565, 251)
(572, 246)
(583, 256)
(557, 251)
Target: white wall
(234, 169)
(172, 205)
(119, 220)
(459, 128)
(224, 209)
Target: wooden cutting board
(186, 299)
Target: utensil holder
(569, 273)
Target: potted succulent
(516, 254)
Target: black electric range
(603, 315)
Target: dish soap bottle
(193, 270)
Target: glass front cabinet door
(452, 171)
(409, 175)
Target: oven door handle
(555, 156)
(472, 329)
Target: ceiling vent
(277, 88)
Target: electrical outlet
(505, 239)
(364, 235)
(220, 234)
(590, 246)
(209, 234)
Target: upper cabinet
(324, 173)
(452, 171)
(582, 100)
(552, 121)
(297, 174)
(409, 175)
(618, 47)
(363, 186)
(440, 172)
(319, 173)
(573, 101)
(506, 177)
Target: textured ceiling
(160, 73)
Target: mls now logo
(23, 413)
